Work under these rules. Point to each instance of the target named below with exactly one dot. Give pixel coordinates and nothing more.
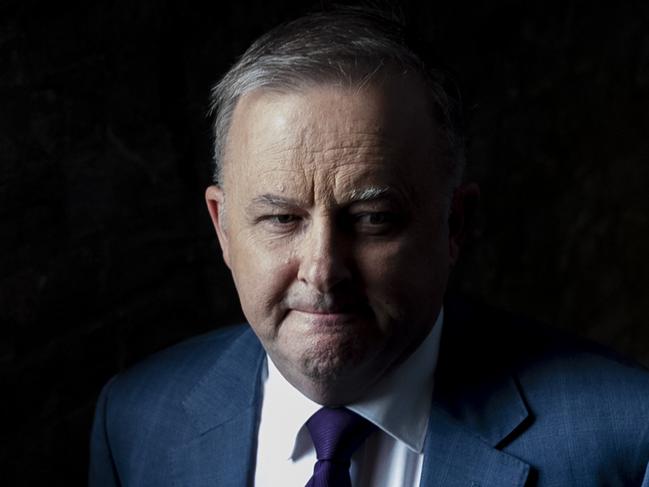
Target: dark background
(107, 253)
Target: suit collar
(477, 406)
(232, 383)
(455, 456)
(474, 382)
(223, 406)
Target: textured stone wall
(106, 250)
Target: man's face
(333, 219)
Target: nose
(324, 256)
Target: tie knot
(337, 433)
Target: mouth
(329, 317)
(324, 311)
(328, 308)
(328, 311)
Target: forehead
(331, 137)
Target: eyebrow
(355, 196)
(368, 194)
(269, 199)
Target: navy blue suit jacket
(512, 406)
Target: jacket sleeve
(103, 472)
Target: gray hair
(349, 45)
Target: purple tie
(336, 434)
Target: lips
(327, 320)
(327, 309)
(334, 310)
(325, 304)
(331, 316)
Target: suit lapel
(455, 456)
(221, 456)
(477, 407)
(224, 407)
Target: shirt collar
(289, 409)
(399, 404)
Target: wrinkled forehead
(381, 121)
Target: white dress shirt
(399, 404)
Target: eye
(375, 222)
(281, 222)
(282, 219)
(377, 218)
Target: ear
(215, 200)
(463, 208)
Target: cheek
(385, 272)
(399, 276)
(261, 278)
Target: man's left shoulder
(567, 383)
(579, 372)
(588, 406)
(583, 410)
(548, 360)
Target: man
(339, 211)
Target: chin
(333, 381)
(324, 369)
(331, 361)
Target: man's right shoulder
(147, 412)
(180, 365)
